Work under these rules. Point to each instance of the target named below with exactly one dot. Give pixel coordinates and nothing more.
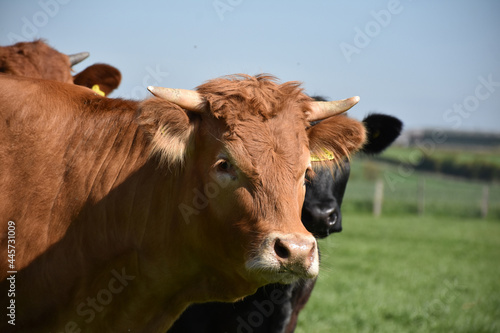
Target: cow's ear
(335, 138)
(99, 77)
(382, 130)
(169, 127)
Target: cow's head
(321, 212)
(245, 145)
(39, 60)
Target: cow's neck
(119, 200)
(106, 256)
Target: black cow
(274, 308)
(321, 211)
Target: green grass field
(430, 269)
(407, 274)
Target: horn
(187, 99)
(322, 110)
(77, 57)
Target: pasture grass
(407, 274)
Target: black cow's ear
(99, 77)
(169, 127)
(381, 130)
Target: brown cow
(124, 212)
(38, 60)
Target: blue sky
(430, 63)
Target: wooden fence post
(484, 201)
(378, 197)
(421, 196)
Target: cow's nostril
(333, 218)
(281, 250)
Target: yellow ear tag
(97, 90)
(328, 156)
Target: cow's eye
(224, 166)
(308, 174)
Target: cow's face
(321, 212)
(246, 157)
(257, 172)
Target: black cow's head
(324, 192)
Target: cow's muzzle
(286, 258)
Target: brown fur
(39, 60)
(168, 142)
(261, 95)
(89, 198)
(339, 135)
(35, 59)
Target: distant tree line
(478, 170)
(454, 139)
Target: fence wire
(418, 193)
